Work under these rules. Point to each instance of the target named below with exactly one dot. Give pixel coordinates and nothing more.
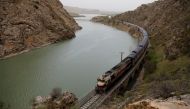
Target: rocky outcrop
(27, 24)
(56, 100)
(170, 103)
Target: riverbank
(24, 51)
(106, 20)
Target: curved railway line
(92, 100)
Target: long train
(107, 80)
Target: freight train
(110, 78)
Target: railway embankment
(167, 64)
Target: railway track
(96, 100)
(92, 100)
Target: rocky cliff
(27, 24)
(167, 22)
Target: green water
(71, 65)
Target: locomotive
(108, 79)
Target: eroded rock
(55, 101)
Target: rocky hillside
(167, 22)
(168, 25)
(167, 64)
(27, 24)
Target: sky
(107, 5)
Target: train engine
(107, 80)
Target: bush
(150, 63)
(162, 89)
(149, 66)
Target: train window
(101, 80)
(109, 72)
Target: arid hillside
(167, 63)
(168, 23)
(27, 24)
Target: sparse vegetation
(170, 77)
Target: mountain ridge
(79, 10)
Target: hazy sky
(109, 5)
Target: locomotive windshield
(100, 80)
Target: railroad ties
(90, 102)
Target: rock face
(26, 24)
(167, 22)
(170, 103)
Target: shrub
(162, 89)
(150, 63)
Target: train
(110, 78)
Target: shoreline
(41, 46)
(24, 51)
(133, 31)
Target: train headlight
(101, 84)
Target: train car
(132, 56)
(144, 43)
(136, 54)
(108, 79)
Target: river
(72, 65)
